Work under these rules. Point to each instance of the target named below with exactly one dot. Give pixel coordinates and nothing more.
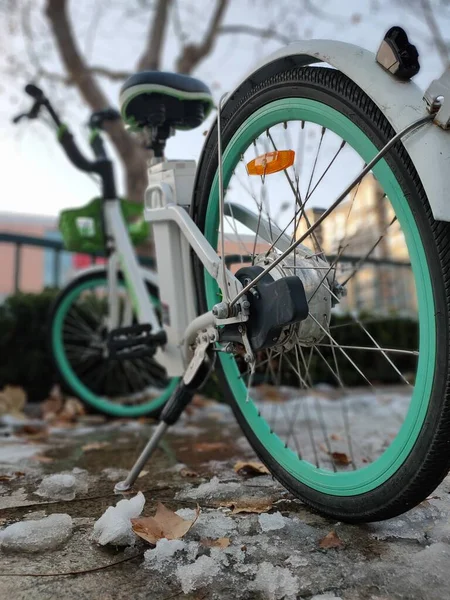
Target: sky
(36, 176)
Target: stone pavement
(273, 555)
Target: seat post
(157, 137)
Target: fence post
(56, 267)
(17, 266)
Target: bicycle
(279, 310)
(100, 324)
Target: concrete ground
(275, 557)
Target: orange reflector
(271, 162)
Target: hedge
(25, 360)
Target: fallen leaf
(94, 446)
(249, 505)
(341, 458)
(219, 543)
(209, 446)
(42, 459)
(185, 472)
(250, 469)
(72, 409)
(14, 475)
(53, 405)
(12, 400)
(331, 540)
(271, 393)
(356, 18)
(165, 524)
(142, 474)
(335, 437)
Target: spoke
(372, 349)
(364, 258)
(341, 350)
(326, 171)
(301, 206)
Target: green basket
(81, 228)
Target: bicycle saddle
(157, 98)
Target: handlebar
(102, 166)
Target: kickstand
(196, 374)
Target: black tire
(97, 402)
(429, 461)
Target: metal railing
(57, 246)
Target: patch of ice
(210, 524)
(114, 526)
(115, 474)
(37, 536)
(163, 552)
(197, 574)
(209, 490)
(275, 583)
(14, 453)
(329, 596)
(296, 560)
(61, 486)
(270, 522)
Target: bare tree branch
(79, 73)
(438, 39)
(194, 53)
(256, 32)
(151, 57)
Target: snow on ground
(269, 556)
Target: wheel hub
(317, 278)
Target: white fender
(401, 102)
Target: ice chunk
(213, 524)
(271, 522)
(115, 474)
(163, 552)
(211, 489)
(197, 574)
(36, 536)
(114, 526)
(62, 486)
(275, 583)
(296, 560)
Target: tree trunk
(133, 156)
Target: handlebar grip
(75, 156)
(33, 91)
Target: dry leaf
(209, 446)
(341, 458)
(219, 543)
(14, 475)
(335, 437)
(142, 474)
(165, 524)
(94, 446)
(72, 409)
(250, 469)
(53, 405)
(42, 459)
(185, 472)
(331, 540)
(12, 400)
(249, 505)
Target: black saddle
(156, 99)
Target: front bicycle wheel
(375, 441)
(130, 387)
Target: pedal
(134, 341)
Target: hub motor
(317, 277)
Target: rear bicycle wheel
(129, 387)
(377, 442)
